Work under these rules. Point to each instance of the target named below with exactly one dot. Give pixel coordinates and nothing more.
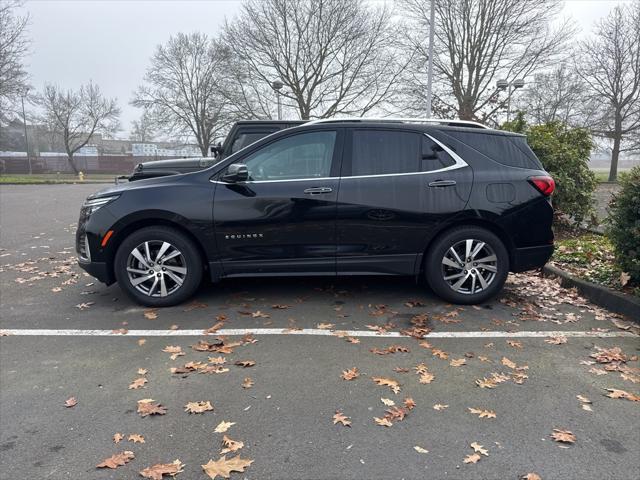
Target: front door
(282, 220)
(396, 187)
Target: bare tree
(13, 47)
(143, 130)
(78, 115)
(333, 56)
(480, 41)
(558, 95)
(610, 65)
(182, 90)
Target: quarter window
(434, 156)
(379, 152)
(307, 155)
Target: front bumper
(530, 258)
(99, 270)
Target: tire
(444, 272)
(161, 281)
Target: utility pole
(26, 139)
(432, 21)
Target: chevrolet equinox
(454, 202)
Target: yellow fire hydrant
(81, 176)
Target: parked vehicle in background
(242, 134)
(453, 202)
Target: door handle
(443, 183)
(318, 190)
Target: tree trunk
(615, 153)
(71, 164)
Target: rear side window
(505, 149)
(379, 152)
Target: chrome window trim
(459, 163)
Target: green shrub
(564, 153)
(623, 224)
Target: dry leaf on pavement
(473, 458)
(223, 467)
(479, 449)
(174, 350)
(245, 363)
(508, 363)
(614, 393)
(409, 404)
(223, 426)
(350, 374)
(156, 472)
(142, 371)
(137, 383)
(339, 417)
(531, 476)
(388, 402)
(70, 402)
(135, 438)
(384, 422)
(458, 362)
(564, 436)
(198, 407)
(420, 449)
(559, 340)
(117, 438)
(387, 382)
(515, 343)
(247, 383)
(151, 314)
(147, 407)
(483, 413)
(325, 326)
(440, 406)
(486, 382)
(230, 446)
(117, 460)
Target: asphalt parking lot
(525, 358)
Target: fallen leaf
(278, 306)
(137, 383)
(84, 306)
(142, 341)
(325, 326)
(224, 467)
(135, 438)
(230, 446)
(395, 413)
(409, 403)
(117, 460)
(583, 399)
(70, 402)
(483, 413)
(151, 314)
(350, 374)
(245, 363)
(388, 402)
(174, 350)
(614, 393)
(486, 383)
(426, 378)
(472, 458)
(387, 382)
(624, 278)
(440, 406)
(142, 371)
(479, 449)
(508, 363)
(458, 362)
(156, 472)
(223, 426)
(117, 438)
(420, 449)
(260, 314)
(247, 383)
(339, 417)
(198, 407)
(217, 360)
(559, 340)
(383, 422)
(531, 476)
(147, 407)
(436, 352)
(515, 343)
(564, 436)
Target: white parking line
(307, 331)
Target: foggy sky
(111, 41)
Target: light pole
(432, 18)
(277, 86)
(26, 139)
(510, 87)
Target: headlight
(94, 204)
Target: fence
(113, 164)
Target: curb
(605, 297)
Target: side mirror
(236, 172)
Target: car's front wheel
(158, 266)
(467, 265)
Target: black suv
(455, 202)
(241, 135)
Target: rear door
(283, 219)
(396, 186)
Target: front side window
(379, 152)
(306, 155)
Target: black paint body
(376, 224)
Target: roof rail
(441, 121)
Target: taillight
(544, 184)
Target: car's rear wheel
(467, 265)
(158, 266)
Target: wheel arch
(468, 222)
(123, 232)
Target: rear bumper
(98, 270)
(530, 258)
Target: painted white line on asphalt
(307, 331)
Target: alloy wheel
(469, 266)
(156, 268)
